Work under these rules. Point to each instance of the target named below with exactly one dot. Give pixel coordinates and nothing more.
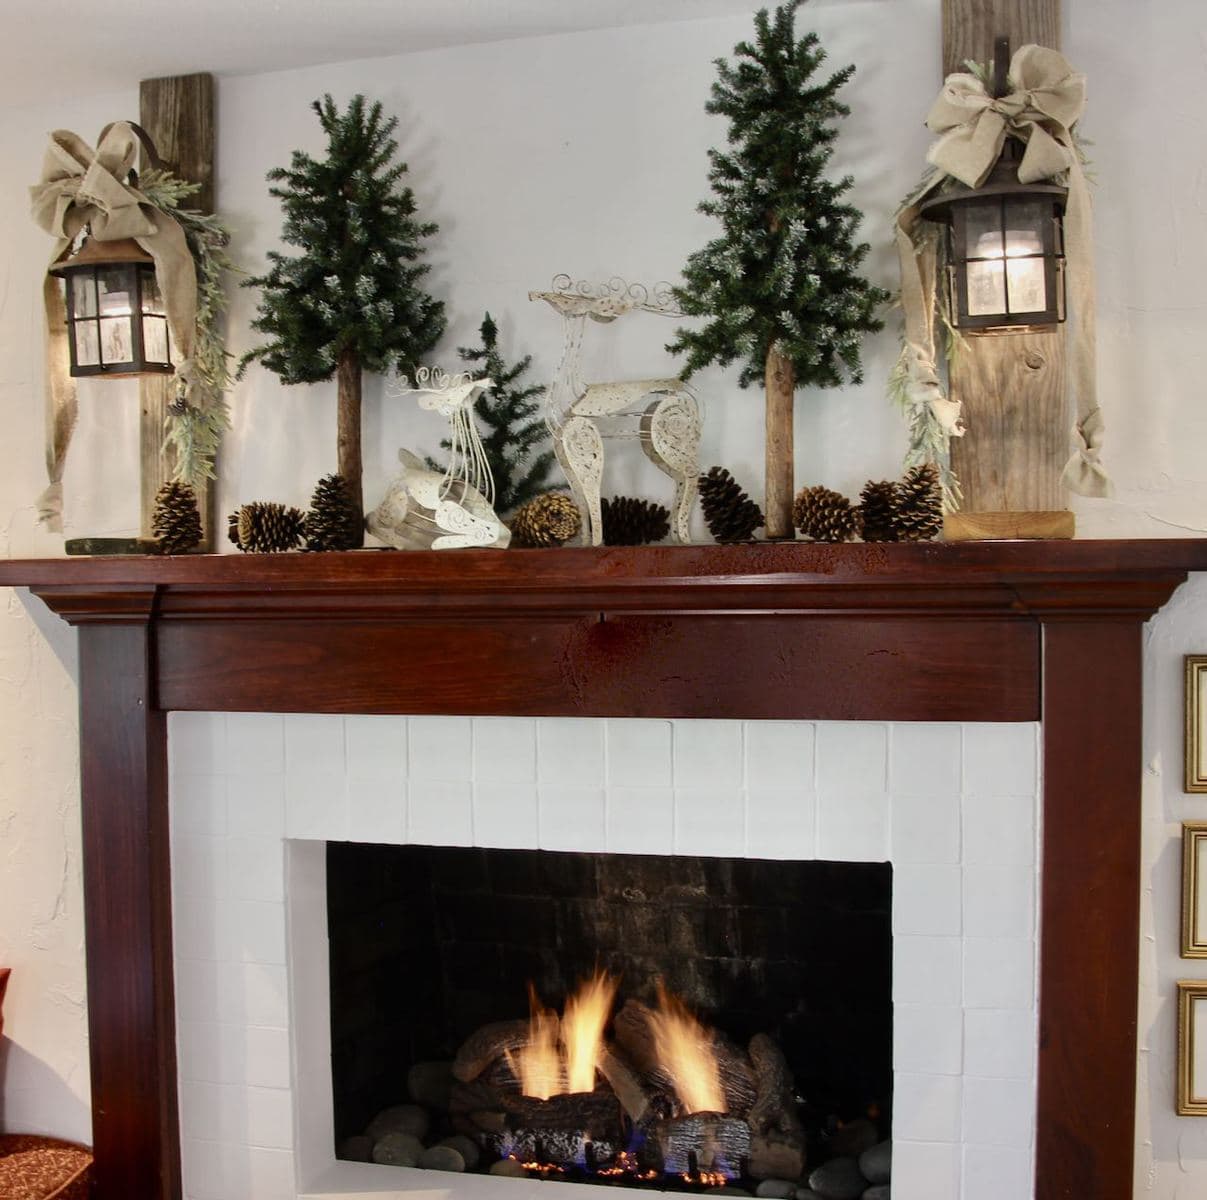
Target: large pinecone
(731, 516)
(266, 527)
(628, 521)
(176, 521)
(919, 505)
(333, 522)
(879, 510)
(551, 519)
(825, 515)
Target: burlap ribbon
(973, 126)
(82, 187)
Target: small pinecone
(176, 521)
(628, 521)
(879, 509)
(919, 514)
(730, 514)
(332, 522)
(266, 528)
(825, 515)
(551, 519)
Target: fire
(583, 1020)
(685, 1050)
(538, 1065)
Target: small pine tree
(351, 301)
(780, 286)
(513, 431)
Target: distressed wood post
(178, 114)
(1012, 385)
(348, 401)
(780, 387)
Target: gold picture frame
(1194, 889)
(1192, 1048)
(1196, 716)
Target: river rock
(466, 1147)
(853, 1138)
(431, 1083)
(776, 1189)
(806, 1194)
(877, 1163)
(402, 1118)
(878, 1191)
(838, 1179)
(397, 1150)
(442, 1158)
(509, 1168)
(355, 1149)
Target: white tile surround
(954, 807)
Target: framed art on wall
(1196, 717)
(1192, 1048)
(1194, 889)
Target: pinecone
(919, 514)
(824, 515)
(266, 528)
(176, 521)
(879, 510)
(552, 519)
(332, 522)
(730, 514)
(628, 521)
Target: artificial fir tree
(512, 430)
(781, 285)
(351, 300)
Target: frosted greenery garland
(199, 413)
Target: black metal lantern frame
(116, 320)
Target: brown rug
(41, 1168)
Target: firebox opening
(565, 964)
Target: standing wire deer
(668, 426)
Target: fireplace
(264, 805)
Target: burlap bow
(81, 187)
(973, 126)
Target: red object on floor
(42, 1168)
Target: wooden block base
(1007, 526)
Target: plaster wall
(586, 153)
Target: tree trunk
(348, 378)
(780, 384)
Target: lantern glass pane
(115, 286)
(155, 339)
(83, 294)
(986, 288)
(1026, 221)
(117, 344)
(152, 298)
(87, 344)
(983, 230)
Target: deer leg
(671, 441)
(579, 448)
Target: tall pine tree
(512, 428)
(781, 285)
(351, 301)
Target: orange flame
(686, 1051)
(583, 1020)
(538, 1065)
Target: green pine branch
(356, 285)
(784, 270)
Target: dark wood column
(127, 904)
(1089, 932)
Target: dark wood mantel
(971, 632)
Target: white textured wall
(586, 154)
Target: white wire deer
(668, 426)
(443, 511)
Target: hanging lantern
(1005, 241)
(117, 325)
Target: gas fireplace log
(713, 1141)
(777, 1155)
(774, 1107)
(633, 1097)
(549, 1146)
(636, 1037)
(737, 1077)
(596, 1114)
(490, 1042)
(478, 1096)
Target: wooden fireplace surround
(971, 632)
